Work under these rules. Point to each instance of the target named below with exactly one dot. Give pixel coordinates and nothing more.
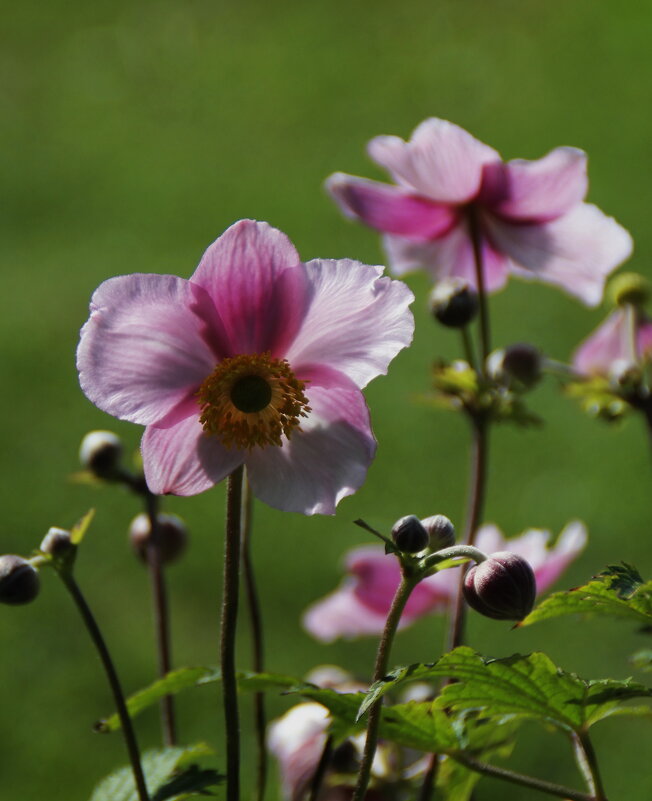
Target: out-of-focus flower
(625, 337)
(529, 216)
(257, 359)
(360, 604)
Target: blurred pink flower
(530, 215)
(257, 359)
(612, 343)
(360, 604)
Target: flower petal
(570, 544)
(182, 460)
(357, 322)
(441, 161)
(327, 459)
(258, 285)
(450, 256)
(536, 191)
(390, 208)
(342, 614)
(144, 347)
(575, 252)
(611, 342)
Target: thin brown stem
(114, 683)
(320, 770)
(228, 632)
(476, 241)
(430, 779)
(257, 643)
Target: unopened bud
(629, 289)
(502, 587)
(57, 542)
(453, 302)
(520, 362)
(171, 537)
(19, 581)
(409, 535)
(101, 452)
(441, 532)
(625, 375)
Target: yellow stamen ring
(252, 401)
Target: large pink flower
(529, 214)
(360, 604)
(615, 342)
(256, 359)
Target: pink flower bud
(502, 587)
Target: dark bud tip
(502, 587)
(19, 581)
(100, 452)
(57, 542)
(521, 363)
(171, 537)
(441, 532)
(453, 302)
(409, 535)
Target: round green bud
(629, 289)
(19, 580)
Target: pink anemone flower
(257, 359)
(625, 337)
(360, 605)
(528, 217)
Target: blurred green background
(134, 133)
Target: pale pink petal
(570, 544)
(342, 614)
(390, 208)
(182, 460)
(611, 342)
(441, 161)
(449, 256)
(327, 459)
(536, 191)
(144, 347)
(576, 251)
(644, 338)
(258, 285)
(357, 322)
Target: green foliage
(598, 398)
(619, 591)
(642, 660)
(171, 774)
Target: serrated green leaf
(619, 591)
(184, 678)
(170, 774)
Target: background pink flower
(257, 359)
(359, 606)
(612, 342)
(530, 215)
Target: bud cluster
(411, 535)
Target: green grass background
(134, 133)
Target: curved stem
(467, 344)
(112, 676)
(228, 631)
(256, 625)
(320, 770)
(430, 779)
(524, 781)
(588, 765)
(382, 658)
(161, 616)
(476, 241)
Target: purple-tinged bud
(441, 532)
(453, 302)
(57, 542)
(409, 535)
(100, 452)
(520, 362)
(171, 537)
(502, 587)
(19, 581)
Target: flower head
(360, 604)
(256, 359)
(625, 337)
(529, 216)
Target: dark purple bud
(171, 537)
(502, 587)
(453, 302)
(519, 362)
(409, 535)
(100, 452)
(57, 542)
(441, 532)
(19, 581)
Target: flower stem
(588, 765)
(476, 241)
(228, 631)
(467, 344)
(382, 658)
(112, 676)
(320, 770)
(256, 626)
(161, 616)
(525, 781)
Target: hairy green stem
(382, 659)
(588, 764)
(114, 683)
(228, 631)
